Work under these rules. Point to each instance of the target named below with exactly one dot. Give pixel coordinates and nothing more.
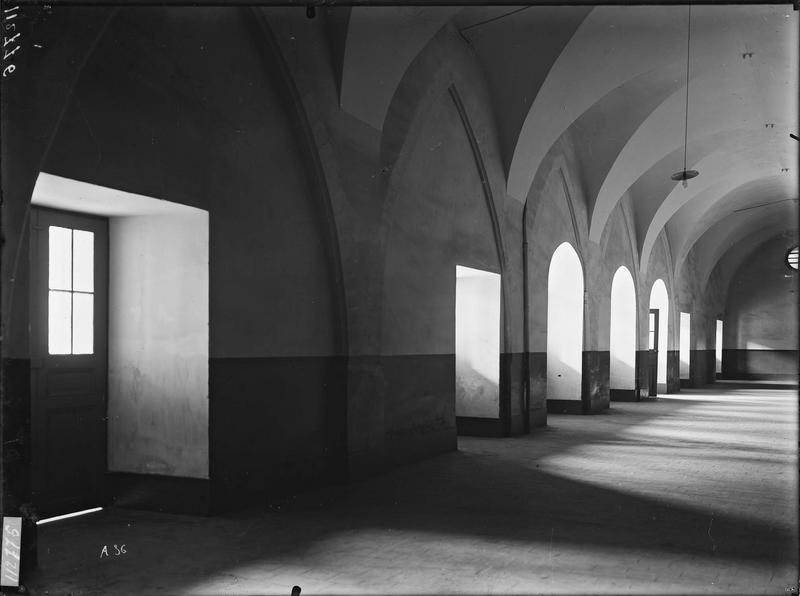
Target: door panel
(68, 417)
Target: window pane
(83, 324)
(59, 310)
(83, 261)
(60, 258)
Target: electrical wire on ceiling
(497, 18)
(763, 205)
(685, 175)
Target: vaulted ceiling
(614, 78)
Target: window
(70, 305)
(651, 341)
(791, 258)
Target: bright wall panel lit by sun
(477, 343)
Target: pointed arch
(564, 324)
(622, 335)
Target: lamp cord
(686, 112)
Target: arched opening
(565, 327)
(659, 319)
(622, 337)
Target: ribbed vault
(613, 79)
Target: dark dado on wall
(711, 366)
(512, 409)
(595, 381)
(276, 426)
(642, 374)
(16, 411)
(760, 364)
(623, 395)
(419, 406)
(512, 394)
(595, 396)
(16, 452)
(538, 389)
(471, 426)
(702, 364)
(566, 406)
(673, 371)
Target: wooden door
(68, 335)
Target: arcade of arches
(328, 246)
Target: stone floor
(684, 494)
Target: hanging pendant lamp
(685, 175)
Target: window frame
(71, 291)
(796, 250)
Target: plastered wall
(438, 214)
(760, 336)
(158, 345)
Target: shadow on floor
(483, 492)
(727, 384)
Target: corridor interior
(681, 494)
(400, 299)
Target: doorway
(652, 345)
(622, 337)
(477, 351)
(142, 394)
(685, 348)
(659, 302)
(565, 330)
(68, 334)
